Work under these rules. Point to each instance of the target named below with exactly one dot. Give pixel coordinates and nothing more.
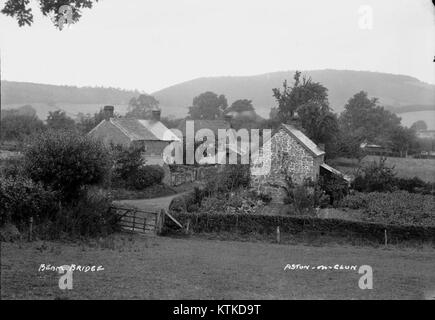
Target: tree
(18, 127)
(320, 124)
(419, 125)
(304, 91)
(208, 105)
(58, 120)
(241, 105)
(86, 122)
(66, 162)
(366, 120)
(309, 100)
(22, 12)
(142, 106)
(401, 139)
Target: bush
(126, 163)
(21, 198)
(264, 226)
(399, 207)
(335, 187)
(89, 217)
(306, 197)
(66, 162)
(375, 177)
(146, 176)
(231, 177)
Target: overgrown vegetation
(398, 207)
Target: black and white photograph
(213, 156)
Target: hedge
(291, 225)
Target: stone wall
(287, 156)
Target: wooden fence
(141, 221)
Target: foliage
(66, 162)
(22, 12)
(303, 91)
(375, 177)
(142, 106)
(419, 125)
(208, 105)
(230, 178)
(89, 217)
(305, 197)
(20, 126)
(87, 122)
(21, 198)
(146, 176)
(241, 105)
(126, 163)
(398, 207)
(335, 187)
(58, 120)
(265, 226)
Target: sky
(152, 44)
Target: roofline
(303, 144)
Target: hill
(394, 91)
(398, 93)
(72, 99)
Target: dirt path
(153, 204)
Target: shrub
(335, 187)
(305, 197)
(126, 163)
(146, 176)
(66, 162)
(399, 207)
(375, 177)
(11, 168)
(89, 217)
(230, 177)
(21, 198)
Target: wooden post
(385, 237)
(278, 235)
(30, 228)
(134, 219)
(144, 224)
(187, 226)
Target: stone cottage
(151, 134)
(291, 153)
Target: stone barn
(153, 135)
(292, 153)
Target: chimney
(322, 146)
(108, 112)
(156, 115)
(228, 118)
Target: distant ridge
(394, 91)
(399, 93)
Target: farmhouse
(150, 134)
(292, 154)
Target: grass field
(405, 167)
(136, 267)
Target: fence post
(385, 237)
(278, 235)
(134, 219)
(30, 228)
(144, 224)
(187, 226)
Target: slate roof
(139, 129)
(306, 142)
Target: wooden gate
(140, 221)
